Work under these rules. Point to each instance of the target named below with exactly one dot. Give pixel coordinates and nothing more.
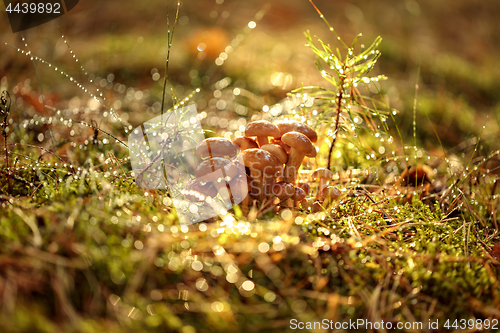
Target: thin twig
(337, 121)
(170, 37)
(5, 103)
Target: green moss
(85, 250)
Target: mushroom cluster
(274, 157)
(217, 172)
(271, 155)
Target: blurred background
(244, 55)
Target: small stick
(337, 121)
(5, 109)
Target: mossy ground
(85, 250)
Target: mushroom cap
(417, 175)
(245, 143)
(234, 169)
(299, 142)
(262, 128)
(280, 143)
(321, 173)
(286, 126)
(216, 147)
(329, 192)
(260, 159)
(277, 151)
(316, 207)
(305, 187)
(210, 165)
(238, 188)
(308, 203)
(299, 195)
(282, 190)
(197, 189)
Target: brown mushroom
(311, 204)
(280, 153)
(262, 129)
(210, 165)
(234, 169)
(282, 190)
(238, 189)
(280, 143)
(415, 176)
(328, 194)
(316, 207)
(261, 165)
(307, 202)
(323, 176)
(245, 143)
(298, 196)
(300, 146)
(305, 187)
(216, 147)
(277, 152)
(213, 170)
(287, 125)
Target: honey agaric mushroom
(282, 190)
(307, 203)
(245, 143)
(305, 187)
(212, 170)
(300, 146)
(298, 196)
(328, 194)
(262, 129)
(415, 176)
(277, 152)
(316, 207)
(216, 147)
(234, 169)
(280, 153)
(323, 176)
(238, 189)
(210, 165)
(261, 165)
(286, 126)
(312, 205)
(280, 143)
(198, 190)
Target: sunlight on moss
(415, 227)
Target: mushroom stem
(244, 205)
(260, 164)
(305, 187)
(323, 176)
(270, 177)
(322, 184)
(283, 192)
(256, 184)
(298, 196)
(292, 166)
(269, 181)
(328, 194)
(239, 192)
(300, 146)
(262, 140)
